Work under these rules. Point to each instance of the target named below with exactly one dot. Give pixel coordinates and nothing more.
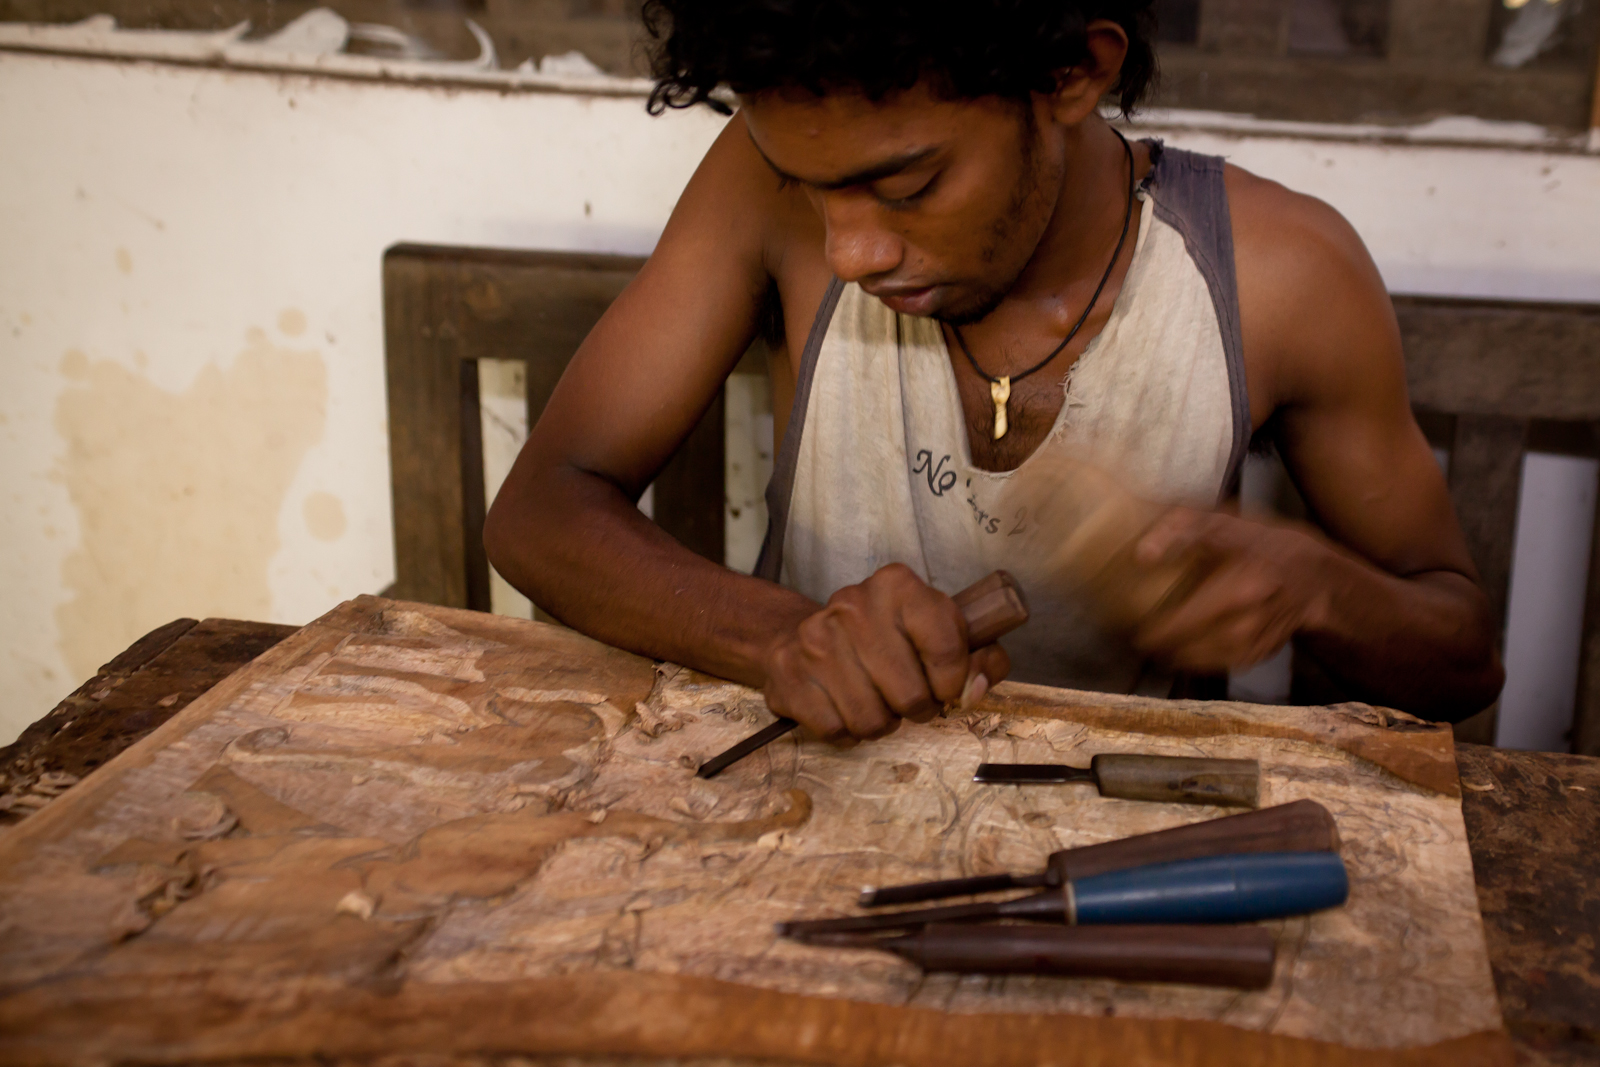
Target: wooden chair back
(445, 308)
(1489, 379)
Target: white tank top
(875, 466)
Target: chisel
(1212, 889)
(1233, 783)
(992, 608)
(1300, 826)
(1240, 957)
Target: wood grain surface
(1534, 819)
(421, 828)
(152, 680)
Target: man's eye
(892, 197)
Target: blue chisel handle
(1213, 889)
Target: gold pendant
(1000, 392)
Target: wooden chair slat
(445, 308)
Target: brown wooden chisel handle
(1300, 826)
(992, 607)
(1234, 783)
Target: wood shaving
(54, 783)
(169, 700)
(1479, 787)
(681, 806)
(654, 722)
(129, 920)
(988, 726)
(597, 817)
(203, 817)
(358, 904)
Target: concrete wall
(191, 360)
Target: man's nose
(858, 245)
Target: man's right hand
(891, 648)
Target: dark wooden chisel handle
(992, 607)
(1240, 957)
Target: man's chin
(963, 312)
(943, 303)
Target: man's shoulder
(1313, 306)
(1291, 230)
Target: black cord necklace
(1000, 388)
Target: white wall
(191, 350)
(191, 359)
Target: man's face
(934, 206)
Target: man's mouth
(905, 299)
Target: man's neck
(1084, 223)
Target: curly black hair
(1006, 48)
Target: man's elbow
(510, 528)
(1476, 688)
(1475, 674)
(500, 535)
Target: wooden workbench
(1533, 823)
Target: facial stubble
(1026, 216)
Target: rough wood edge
(149, 647)
(98, 786)
(670, 1016)
(127, 662)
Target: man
(972, 270)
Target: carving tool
(1300, 826)
(1212, 889)
(992, 608)
(1240, 957)
(1233, 783)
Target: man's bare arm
(565, 528)
(566, 531)
(1388, 600)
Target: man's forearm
(1422, 643)
(583, 552)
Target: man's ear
(1080, 89)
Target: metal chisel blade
(1031, 774)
